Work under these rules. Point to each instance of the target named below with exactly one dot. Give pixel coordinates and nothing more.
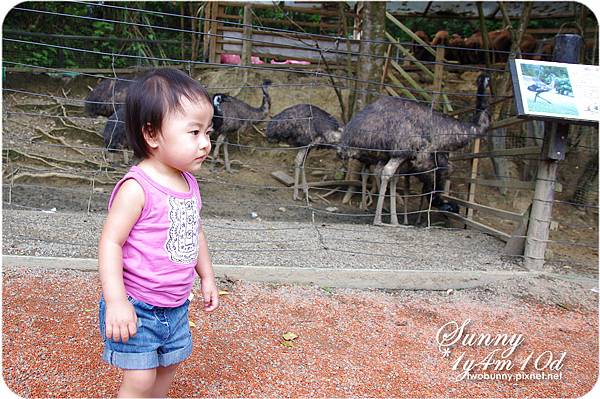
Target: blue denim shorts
(163, 337)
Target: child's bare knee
(139, 380)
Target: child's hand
(121, 320)
(210, 294)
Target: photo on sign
(554, 90)
(549, 89)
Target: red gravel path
(350, 343)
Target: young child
(152, 243)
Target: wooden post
(182, 27)
(438, 75)
(472, 185)
(206, 30)
(484, 34)
(553, 150)
(385, 66)
(247, 35)
(213, 30)
(541, 209)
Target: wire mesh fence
(54, 158)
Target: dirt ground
(345, 343)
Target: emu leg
(299, 165)
(376, 173)
(393, 213)
(353, 169)
(220, 140)
(364, 176)
(226, 156)
(388, 171)
(406, 193)
(303, 169)
(421, 202)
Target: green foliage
(102, 28)
(103, 34)
(563, 86)
(544, 72)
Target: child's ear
(150, 136)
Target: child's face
(184, 141)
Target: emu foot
(303, 198)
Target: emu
(396, 130)
(114, 135)
(237, 116)
(306, 126)
(114, 131)
(105, 98)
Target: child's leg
(162, 383)
(137, 383)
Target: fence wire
(98, 173)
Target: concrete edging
(341, 278)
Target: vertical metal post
(567, 51)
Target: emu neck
(266, 102)
(480, 117)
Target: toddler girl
(152, 243)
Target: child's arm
(126, 208)
(210, 294)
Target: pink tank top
(160, 254)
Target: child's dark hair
(151, 97)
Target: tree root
(59, 139)
(37, 158)
(60, 176)
(74, 126)
(47, 160)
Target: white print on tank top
(184, 223)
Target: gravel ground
(274, 243)
(349, 343)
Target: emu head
(333, 136)
(217, 119)
(483, 82)
(446, 206)
(344, 152)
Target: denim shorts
(163, 337)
